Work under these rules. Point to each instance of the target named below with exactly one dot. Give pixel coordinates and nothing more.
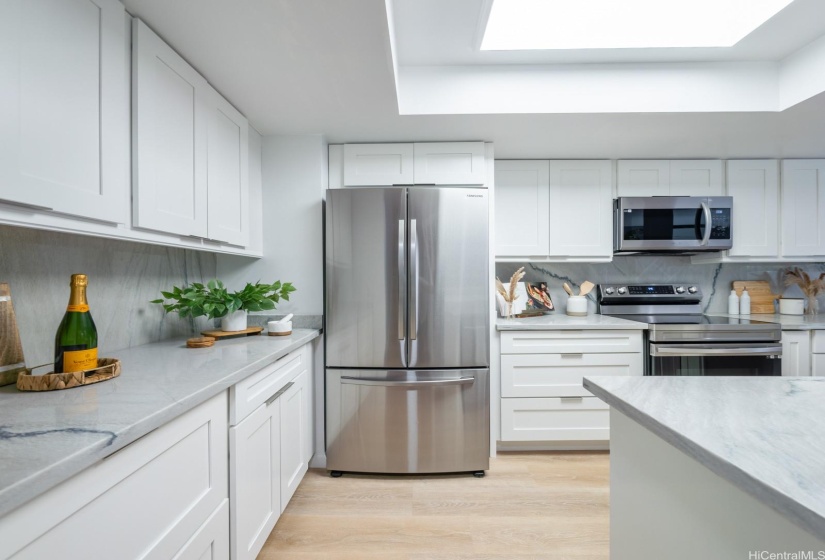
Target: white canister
(235, 321)
(577, 306)
(790, 306)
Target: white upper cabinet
(449, 163)
(754, 186)
(670, 178)
(227, 173)
(696, 177)
(581, 208)
(803, 207)
(522, 207)
(64, 107)
(170, 108)
(426, 163)
(370, 165)
(643, 177)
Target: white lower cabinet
(163, 496)
(796, 353)
(543, 399)
(269, 448)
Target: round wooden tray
(107, 368)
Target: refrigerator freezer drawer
(396, 421)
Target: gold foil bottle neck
(79, 280)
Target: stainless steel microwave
(672, 224)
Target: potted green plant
(214, 301)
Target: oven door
(741, 359)
(673, 223)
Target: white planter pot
(235, 321)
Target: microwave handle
(708, 224)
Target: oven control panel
(651, 293)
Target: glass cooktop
(707, 320)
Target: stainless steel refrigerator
(407, 330)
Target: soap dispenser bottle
(745, 303)
(733, 303)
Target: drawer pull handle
(573, 355)
(572, 399)
(280, 392)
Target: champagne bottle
(75, 344)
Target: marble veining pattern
(713, 279)
(561, 321)
(47, 437)
(762, 434)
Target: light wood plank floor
(530, 505)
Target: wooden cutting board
(11, 351)
(762, 297)
(221, 335)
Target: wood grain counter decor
(11, 350)
(107, 368)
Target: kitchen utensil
(11, 351)
(586, 287)
(200, 342)
(791, 306)
(286, 319)
(577, 306)
(221, 335)
(107, 368)
(279, 328)
(567, 289)
(762, 296)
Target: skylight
(623, 24)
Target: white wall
(294, 178)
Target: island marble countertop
(562, 321)
(763, 434)
(788, 322)
(47, 437)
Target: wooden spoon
(586, 287)
(568, 289)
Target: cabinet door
(803, 207)
(522, 208)
(581, 208)
(754, 186)
(170, 112)
(796, 353)
(701, 177)
(371, 165)
(64, 107)
(818, 365)
(227, 175)
(211, 541)
(255, 479)
(449, 163)
(643, 177)
(294, 433)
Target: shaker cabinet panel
(643, 177)
(449, 163)
(796, 353)
(371, 165)
(170, 134)
(701, 177)
(581, 208)
(64, 105)
(522, 207)
(227, 173)
(294, 435)
(803, 207)
(754, 186)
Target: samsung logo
(475, 196)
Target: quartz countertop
(47, 437)
(788, 322)
(562, 321)
(762, 434)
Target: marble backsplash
(123, 278)
(713, 279)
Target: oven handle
(708, 224)
(714, 350)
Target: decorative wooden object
(280, 333)
(107, 368)
(11, 351)
(762, 297)
(220, 335)
(200, 342)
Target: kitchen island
(717, 468)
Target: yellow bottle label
(82, 307)
(79, 360)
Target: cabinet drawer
(818, 342)
(555, 419)
(256, 389)
(560, 375)
(565, 342)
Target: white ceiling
(324, 67)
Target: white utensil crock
(577, 306)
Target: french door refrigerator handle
(708, 224)
(346, 380)
(414, 280)
(402, 281)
